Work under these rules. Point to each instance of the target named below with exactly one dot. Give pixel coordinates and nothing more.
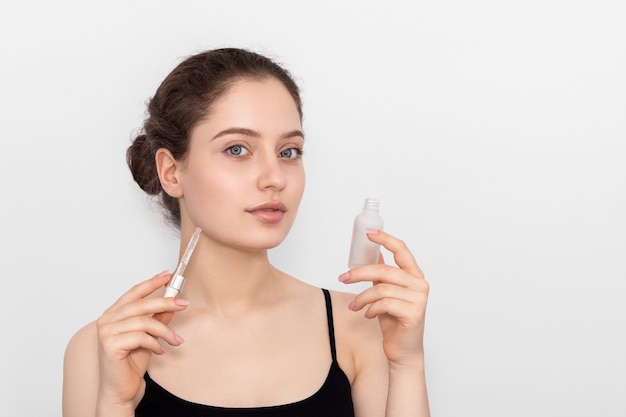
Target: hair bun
(140, 160)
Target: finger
(379, 292)
(381, 261)
(405, 312)
(378, 273)
(141, 290)
(143, 324)
(128, 342)
(146, 307)
(402, 256)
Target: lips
(270, 212)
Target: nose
(271, 173)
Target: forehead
(263, 106)
(266, 98)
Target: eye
(236, 150)
(291, 153)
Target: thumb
(381, 258)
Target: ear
(167, 168)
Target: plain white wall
(493, 132)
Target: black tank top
(333, 399)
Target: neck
(224, 280)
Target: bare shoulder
(353, 323)
(85, 335)
(361, 356)
(359, 339)
(355, 335)
(80, 372)
(83, 345)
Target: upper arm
(80, 373)
(364, 361)
(371, 381)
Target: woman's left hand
(398, 298)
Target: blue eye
(291, 153)
(236, 150)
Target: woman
(222, 148)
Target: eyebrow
(253, 133)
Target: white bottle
(362, 250)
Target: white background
(492, 131)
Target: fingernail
(372, 232)
(351, 306)
(163, 273)
(344, 277)
(179, 339)
(181, 302)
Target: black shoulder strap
(331, 326)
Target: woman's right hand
(128, 335)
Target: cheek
(209, 191)
(300, 182)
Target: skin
(245, 154)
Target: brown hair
(183, 99)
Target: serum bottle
(362, 250)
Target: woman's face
(243, 178)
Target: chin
(265, 240)
(270, 243)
